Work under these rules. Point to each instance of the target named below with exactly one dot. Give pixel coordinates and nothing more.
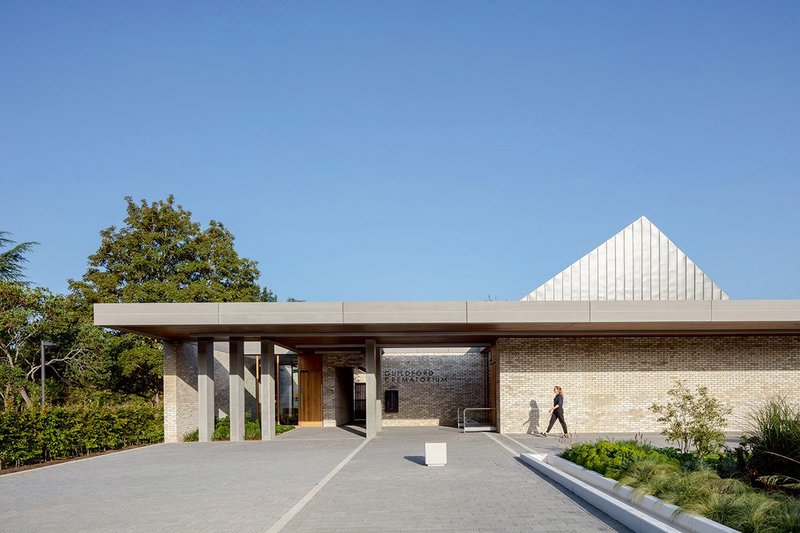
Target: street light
(43, 345)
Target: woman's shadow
(533, 418)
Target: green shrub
(692, 484)
(222, 430)
(612, 459)
(723, 462)
(693, 419)
(773, 445)
(703, 492)
(650, 476)
(36, 435)
(785, 517)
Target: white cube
(435, 453)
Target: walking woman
(557, 412)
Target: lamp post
(43, 345)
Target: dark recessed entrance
(351, 395)
(359, 402)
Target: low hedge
(37, 435)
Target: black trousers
(558, 414)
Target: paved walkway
(306, 480)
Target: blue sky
(409, 150)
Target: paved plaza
(306, 480)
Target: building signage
(412, 376)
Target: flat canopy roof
(310, 326)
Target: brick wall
(222, 375)
(180, 390)
(609, 382)
(432, 385)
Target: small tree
(692, 419)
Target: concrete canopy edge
(424, 313)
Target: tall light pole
(43, 345)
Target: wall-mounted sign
(412, 376)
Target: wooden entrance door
(309, 369)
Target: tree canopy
(11, 260)
(78, 355)
(158, 254)
(161, 255)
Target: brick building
(615, 330)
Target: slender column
(379, 389)
(237, 389)
(180, 389)
(205, 389)
(267, 392)
(371, 353)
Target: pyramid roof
(638, 263)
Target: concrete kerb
(631, 517)
(640, 513)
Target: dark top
(558, 401)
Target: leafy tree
(81, 356)
(11, 261)
(692, 419)
(29, 315)
(21, 314)
(160, 254)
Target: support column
(379, 389)
(205, 389)
(267, 392)
(180, 389)
(237, 389)
(371, 357)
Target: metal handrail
(464, 419)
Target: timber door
(309, 369)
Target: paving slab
(219, 486)
(483, 487)
(252, 486)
